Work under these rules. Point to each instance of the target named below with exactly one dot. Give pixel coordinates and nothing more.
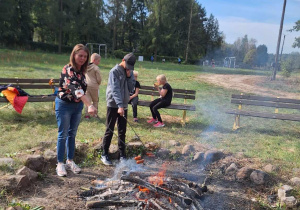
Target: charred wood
(105, 195)
(100, 204)
(197, 205)
(157, 206)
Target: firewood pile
(145, 190)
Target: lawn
(272, 141)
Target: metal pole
(278, 42)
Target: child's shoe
(87, 117)
(159, 124)
(135, 120)
(152, 121)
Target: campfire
(146, 188)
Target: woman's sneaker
(135, 119)
(152, 121)
(73, 167)
(61, 170)
(159, 124)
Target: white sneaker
(73, 167)
(61, 170)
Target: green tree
(261, 55)
(16, 27)
(214, 37)
(250, 57)
(297, 39)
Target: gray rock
(211, 156)
(188, 149)
(114, 152)
(135, 145)
(7, 161)
(270, 168)
(232, 169)
(244, 173)
(35, 162)
(290, 201)
(199, 157)
(151, 146)
(174, 143)
(31, 175)
(97, 149)
(14, 182)
(163, 153)
(296, 181)
(50, 156)
(259, 177)
(284, 191)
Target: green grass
(272, 141)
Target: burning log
(105, 203)
(191, 177)
(184, 201)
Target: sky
(259, 19)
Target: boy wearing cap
(120, 83)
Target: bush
(287, 68)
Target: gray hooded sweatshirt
(119, 87)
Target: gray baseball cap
(130, 61)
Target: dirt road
(245, 84)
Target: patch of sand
(245, 84)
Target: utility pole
(189, 33)
(282, 47)
(278, 42)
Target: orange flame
(158, 179)
(144, 189)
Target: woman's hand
(92, 110)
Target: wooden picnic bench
(33, 84)
(177, 93)
(51, 84)
(251, 100)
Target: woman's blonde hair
(75, 50)
(162, 78)
(135, 73)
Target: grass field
(272, 141)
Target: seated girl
(166, 94)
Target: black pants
(134, 103)
(112, 117)
(155, 105)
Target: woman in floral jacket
(68, 107)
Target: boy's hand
(121, 111)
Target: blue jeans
(68, 117)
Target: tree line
(179, 28)
(162, 28)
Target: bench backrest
(265, 101)
(177, 93)
(30, 83)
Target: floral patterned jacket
(72, 85)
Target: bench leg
(236, 124)
(184, 117)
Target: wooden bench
(284, 103)
(177, 93)
(33, 84)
